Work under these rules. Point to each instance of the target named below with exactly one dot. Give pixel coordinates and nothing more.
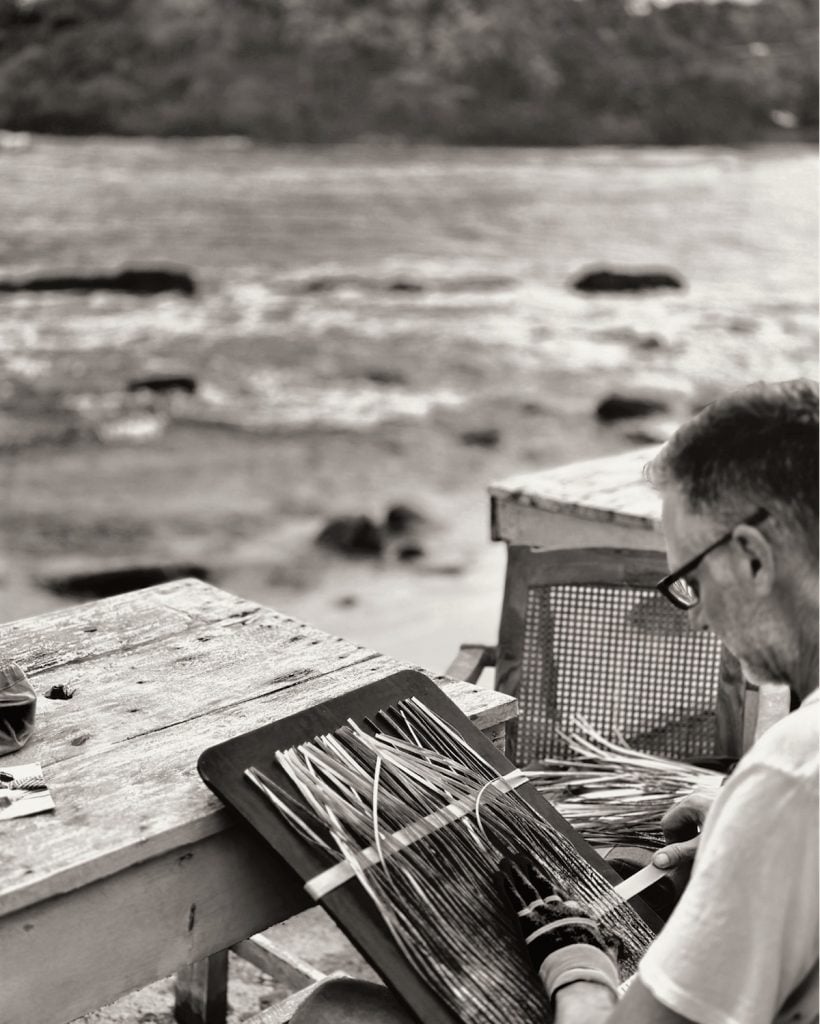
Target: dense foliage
(557, 72)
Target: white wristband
(578, 962)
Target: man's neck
(800, 621)
(806, 676)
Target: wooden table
(141, 870)
(600, 503)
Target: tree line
(480, 72)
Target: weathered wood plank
(277, 961)
(201, 991)
(122, 694)
(487, 709)
(610, 490)
(79, 951)
(527, 525)
(126, 622)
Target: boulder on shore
(352, 535)
(402, 519)
(605, 280)
(625, 406)
(118, 580)
(485, 437)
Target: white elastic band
(326, 881)
(588, 921)
(536, 904)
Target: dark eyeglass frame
(666, 584)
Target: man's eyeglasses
(675, 586)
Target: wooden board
(222, 767)
(606, 495)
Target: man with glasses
(740, 513)
(739, 484)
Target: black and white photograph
(23, 791)
(409, 511)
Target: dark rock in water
(352, 535)
(410, 552)
(620, 407)
(486, 438)
(401, 518)
(109, 582)
(331, 283)
(532, 408)
(136, 282)
(605, 280)
(386, 377)
(328, 284)
(162, 383)
(405, 286)
(649, 343)
(318, 284)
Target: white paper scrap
(23, 791)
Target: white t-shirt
(741, 945)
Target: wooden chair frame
(737, 719)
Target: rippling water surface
(360, 312)
(347, 286)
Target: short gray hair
(756, 447)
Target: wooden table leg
(201, 991)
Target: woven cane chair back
(585, 632)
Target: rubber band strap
(326, 881)
(589, 922)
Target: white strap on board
(638, 882)
(326, 881)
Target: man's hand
(564, 941)
(681, 827)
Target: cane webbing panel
(626, 660)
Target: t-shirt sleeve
(745, 932)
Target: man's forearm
(583, 1002)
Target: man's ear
(754, 558)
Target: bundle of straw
(612, 794)
(353, 789)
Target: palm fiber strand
(612, 794)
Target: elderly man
(740, 513)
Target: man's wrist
(576, 963)
(583, 1002)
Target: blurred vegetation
(549, 72)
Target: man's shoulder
(791, 747)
